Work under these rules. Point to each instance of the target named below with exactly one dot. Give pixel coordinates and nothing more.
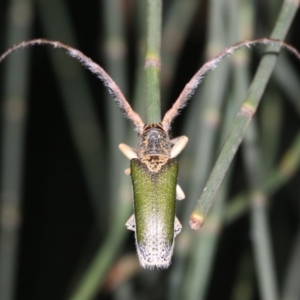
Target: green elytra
(153, 165)
(154, 212)
(154, 199)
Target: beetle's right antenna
(112, 87)
(192, 85)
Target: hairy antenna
(191, 86)
(112, 87)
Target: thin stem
(271, 120)
(244, 284)
(285, 169)
(262, 246)
(139, 102)
(175, 32)
(115, 52)
(152, 63)
(12, 146)
(291, 289)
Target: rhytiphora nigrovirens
(153, 164)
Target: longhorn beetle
(153, 165)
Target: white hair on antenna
(112, 87)
(191, 86)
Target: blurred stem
(291, 288)
(244, 116)
(271, 124)
(140, 104)
(244, 284)
(12, 147)
(285, 169)
(255, 171)
(175, 31)
(152, 62)
(202, 257)
(265, 268)
(262, 245)
(115, 52)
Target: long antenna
(111, 86)
(191, 86)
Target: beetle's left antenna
(112, 87)
(192, 85)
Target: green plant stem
(285, 169)
(139, 102)
(152, 62)
(115, 52)
(244, 285)
(14, 114)
(265, 269)
(291, 288)
(202, 257)
(271, 124)
(175, 31)
(243, 118)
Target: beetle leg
(130, 224)
(174, 140)
(177, 227)
(128, 151)
(178, 145)
(179, 193)
(127, 171)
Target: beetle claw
(127, 171)
(179, 193)
(177, 227)
(130, 224)
(178, 145)
(128, 151)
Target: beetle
(153, 165)
(154, 169)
